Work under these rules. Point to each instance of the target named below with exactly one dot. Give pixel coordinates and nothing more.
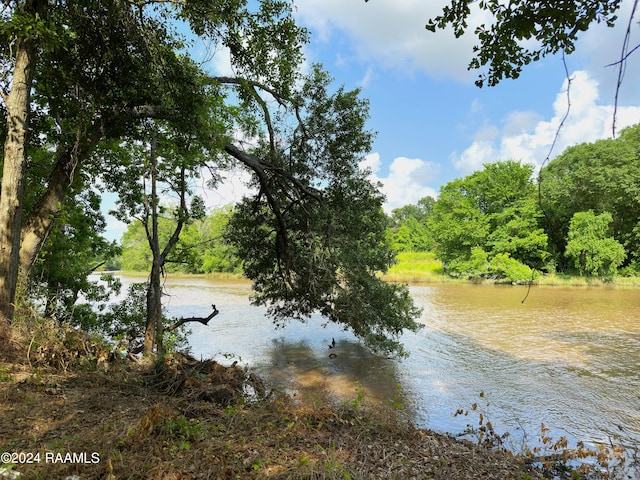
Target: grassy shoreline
(423, 267)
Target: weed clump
(554, 457)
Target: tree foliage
(591, 247)
(103, 80)
(600, 176)
(522, 31)
(314, 242)
(74, 250)
(491, 214)
(408, 230)
(204, 248)
(201, 248)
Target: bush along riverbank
(72, 407)
(423, 267)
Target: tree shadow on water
(344, 372)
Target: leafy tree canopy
(522, 31)
(317, 247)
(112, 78)
(600, 176)
(590, 245)
(201, 248)
(489, 213)
(408, 231)
(75, 249)
(421, 211)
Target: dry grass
(188, 419)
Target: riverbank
(188, 420)
(423, 267)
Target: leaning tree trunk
(41, 219)
(13, 178)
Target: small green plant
(5, 376)
(182, 427)
(355, 404)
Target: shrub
(502, 266)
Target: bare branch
(93, 269)
(548, 157)
(260, 167)
(183, 211)
(202, 320)
(252, 83)
(623, 59)
(267, 119)
(622, 66)
(566, 114)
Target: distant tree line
(201, 248)
(581, 215)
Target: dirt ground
(187, 419)
(123, 428)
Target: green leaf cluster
(591, 247)
(522, 31)
(583, 216)
(74, 250)
(601, 176)
(488, 224)
(201, 248)
(408, 229)
(319, 246)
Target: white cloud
(520, 122)
(476, 106)
(406, 180)
(231, 188)
(371, 162)
(525, 136)
(366, 80)
(221, 62)
(404, 184)
(392, 34)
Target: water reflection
(344, 373)
(568, 357)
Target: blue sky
(433, 123)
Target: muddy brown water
(568, 357)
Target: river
(568, 357)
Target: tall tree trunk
(156, 310)
(153, 334)
(13, 177)
(154, 330)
